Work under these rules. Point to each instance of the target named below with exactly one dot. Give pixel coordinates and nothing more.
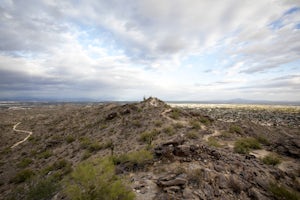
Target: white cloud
(124, 47)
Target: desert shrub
(175, 113)
(86, 155)
(90, 145)
(204, 120)
(6, 150)
(103, 126)
(180, 170)
(107, 144)
(135, 159)
(244, 145)
(136, 123)
(281, 192)
(178, 125)
(70, 139)
(44, 155)
(84, 142)
(22, 176)
(195, 124)
(271, 159)
(169, 130)
(24, 162)
(235, 129)
(94, 146)
(225, 134)
(58, 169)
(195, 176)
(263, 140)
(57, 138)
(148, 136)
(42, 189)
(192, 135)
(96, 180)
(34, 139)
(158, 123)
(212, 141)
(62, 164)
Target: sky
(193, 50)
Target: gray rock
(182, 151)
(175, 142)
(221, 181)
(111, 116)
(208, 191)
(172, 189)
(255, 194)
(219, 168)
(176, 181)
(262, 182)
(187, 193)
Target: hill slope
(162, 152)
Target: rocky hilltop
(146, 150)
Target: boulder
(182, 151)
(174, 182)
(111, 116)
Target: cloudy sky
(171, 49)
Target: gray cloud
(68, 45)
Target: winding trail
(23, 131)
(214, 134)
(164, 114)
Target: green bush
(22, 176)
(134, 159)
(58, 169)
(195, 124)
(204, 120)
(235, 129)
(94, 146)
(136, 123)
(84, 142)
(281, 192)
(225, 134)
(178, 125)
(244, 145)
(45, 154)
(175, 113)
(271, 159)
(42, 189)
(86, 155)
(192, 135)
(169, 130)
(96, 180)
(158, 123)
(70, 139)
(148, 137)
(25, 162)
(213, 142)
(263, 140)
(90, 145)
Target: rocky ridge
(184, 165)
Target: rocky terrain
(148, 150)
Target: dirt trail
(214, 134)
(23, 131)
(164, 114)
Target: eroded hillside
(157, 151)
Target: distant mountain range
(230, 101)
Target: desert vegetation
(149, 150)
